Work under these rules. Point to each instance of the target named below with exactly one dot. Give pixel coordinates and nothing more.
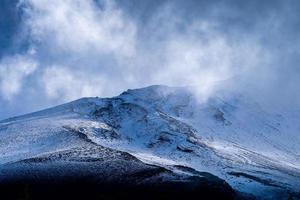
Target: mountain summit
(159, 135)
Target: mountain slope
(234, 138)
(92, 171)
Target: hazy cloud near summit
(67, 49)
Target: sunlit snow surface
(255, 151)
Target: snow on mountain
(231, 136)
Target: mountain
(158, 137)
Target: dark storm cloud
(55, 51)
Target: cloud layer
(13, 71)
(67, 49)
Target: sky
(55, 51)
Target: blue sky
(52, 52)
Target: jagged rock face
(234, 138)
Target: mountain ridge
(233, 138)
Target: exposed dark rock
(96, 172)
(184, 149)
(255, 178)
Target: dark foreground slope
(95, 172)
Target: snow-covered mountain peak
(232, 137)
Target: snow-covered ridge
(255, 151)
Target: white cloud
(201, 56)
(83, 36)
(13, 71)
(80, 27)
(62, 83)
(79, 43)
(85, 48)
(75, 36)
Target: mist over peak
(53, 52)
